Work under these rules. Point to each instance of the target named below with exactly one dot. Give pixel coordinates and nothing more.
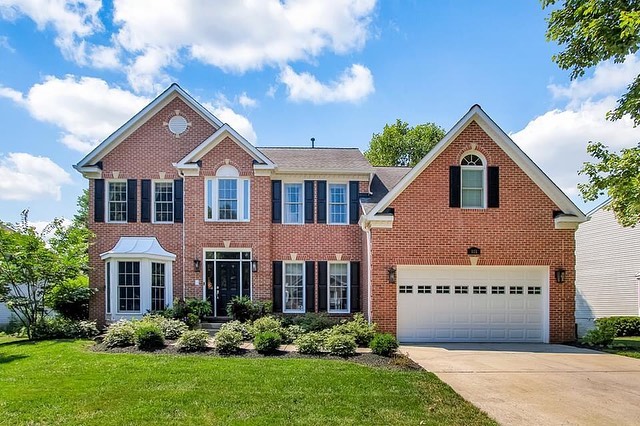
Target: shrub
(171, 328)
(602, 335)
(189, 311)
(240, 308)
(292, 333)
(384, 344)
(314, 322)
(63, 328)
(310, 343)
(148, 336)
(359, 328)
(71, 299)
(267, 342)
(624, 326)
(242, 328)
(193, 341)
(198, 307)
(228, 341)
(120, 334)
(268, 323)
(343, 345)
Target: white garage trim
(426, 312)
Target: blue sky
(283, 72)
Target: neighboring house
(607, 269)
(6, 315)
(183, 206)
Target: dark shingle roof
(318, 159)
(384, 180)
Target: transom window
(157, 287)
(339, 287)
(472, 181)
(424, 289)
(405, 289)
(443, 289)
(163, 201)
(117, 201)
(497, 289)
(293, 203)
(129, 286)
(337, 203)
(227, 196)
(293, 287)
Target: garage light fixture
(392, 274)
(560, 275)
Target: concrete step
(211, 325)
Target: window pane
(245, 214)
(471, 198)
(228, 199)
(163, 201)
(337, 204)
(117, 201)
(129, 286)
(209, 199)
(157, 286)
(471, 178)
(293, 203)
(293, 287)
(338, 287)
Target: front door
(227, 283)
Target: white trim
(203, 269)
(153, 201)
(340, 311)
(304, 287)
(108, 182)
(284, 203)
(484, 178)
(347, 201)
(505, 143)
(140, 118)
(240, 192)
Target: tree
(592, 31)
(402, 145)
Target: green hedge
(624, 326)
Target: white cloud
(27, 177)
(86, 109)
(557, 139)
(355, 84)
(4, 43)
(247, 101)
(240, 123)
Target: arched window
(473, 178)
(227, 196)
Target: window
(339, 287)
(442, 289)
(534, 290)
(157, 287)
(424, 289)
(163, 201)
(337, 203)
(107, 286)
(227, 199)
(497, 290)
(461, 289)
(472, 181)
(516, 290)
(405, 289)
(117, 201)
(293, 287)
(293, 203)
(479, 289)
(129, 286)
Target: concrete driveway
(537, 384)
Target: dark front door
(227, 283)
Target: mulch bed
(397, 362)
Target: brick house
(475, 243)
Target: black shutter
(310, 285)
(277, 286)
(454, 186)
(322, 201)
(276, 201)
(493, 186)
(355, 286)
(132, 200)
(308, 201)
(354, 201)
(322, 286)
(98, 200)
(178, 200)
(145, 200)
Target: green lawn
(61, 382)
(627, 346)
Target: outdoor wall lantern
(196, 265)
(254, 266)
(392, 274)
(560, 275)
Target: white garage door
(472, 304)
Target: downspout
(369, 309)
(184, 277)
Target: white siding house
(5, 315)
(607, 268)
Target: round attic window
(178, 125)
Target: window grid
(293, 287)
(461, 289)
(497, 289)
(157, 286)
(516, 290)
(443, 289)
(479, 289)
(472, 181)
(107, 266)
(338, 287)
(405, 289)
(293, 203)
(338, 204)
(534, 290)
(228, 199)
(117, 201)
(129, 286)
(424, 289)
(163, 199)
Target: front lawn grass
(62, 382)
(627, 346)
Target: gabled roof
(506, 144)
(337, 160)
(140, 118)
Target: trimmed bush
(228, 341)
(602, 335)
(63, 328)
(189, 311)
(310, 343)
(242, 328)
(243, 309)
(343, 345)
(171, 328)
(193, 341)
(384, 344)
(314, 322)
(268, 323)
(120, 334)
(359, 328)
(292, 333)
(148, 336)
(624, 326)
(267, 342)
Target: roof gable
(139, 119)
(505, 143)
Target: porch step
(216, 320)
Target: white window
(227, 196)
(128, 286)
(472, 169)
(163, 201)
(158, 295)
(339, 287)
(107, 272)
(117, 201)
(293, 199)
(338, 203)
(293, 290)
